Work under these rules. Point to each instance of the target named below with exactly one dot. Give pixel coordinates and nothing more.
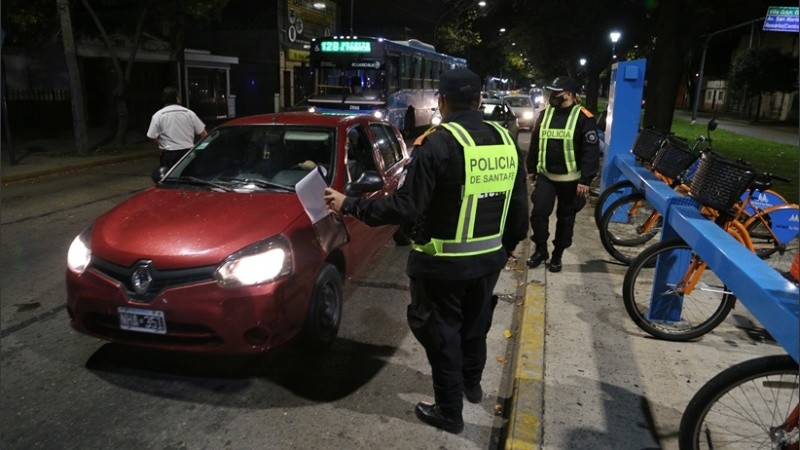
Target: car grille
(162, 279)
(177, 333)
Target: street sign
(782, 18)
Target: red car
(220, 255)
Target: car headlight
(527, 115)
(259, 263)
(80, 252)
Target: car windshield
(256, 157)
(517, 102)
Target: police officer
(563, 159)
(464, 197)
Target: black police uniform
(546, 190)
(451, 297)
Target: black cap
(460, 83)
(564, 83)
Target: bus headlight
(436, 120)
(312, 109)
(378, 114)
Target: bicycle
(686, 303)
(753, 404)
(630, 222)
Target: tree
(762, 71)
(75, 85)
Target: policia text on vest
(492, 169)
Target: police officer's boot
(555, 262)
(538, 257)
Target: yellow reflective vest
(489, 172)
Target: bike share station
(771, 299)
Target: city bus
(394, 80)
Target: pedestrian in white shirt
(174, 128)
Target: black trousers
(170, 157)
(451, 319)
(544, 195)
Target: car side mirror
(369, 181)
(158, 174)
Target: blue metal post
(624, 110)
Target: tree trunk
(75, 85)
(664, 74)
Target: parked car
(497, 110)
(220, 255)
(524, 110)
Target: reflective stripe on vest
(565, 135)
(488, 169)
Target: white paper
(311, 190)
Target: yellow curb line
(525, 420)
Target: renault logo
(142, 278)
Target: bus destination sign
(345, 47)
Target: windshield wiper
(264, 184)
(195, 181)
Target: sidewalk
(50, 156)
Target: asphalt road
(64, 390)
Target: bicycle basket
(719, 182)
(646, 144)
(674, 157)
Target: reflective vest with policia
(565, 135)
(489, 173)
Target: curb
(525, 419)
(98, 161)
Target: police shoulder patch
(586, 112)
(421, 138)
(591, 137)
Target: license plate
(142, 320)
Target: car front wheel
(325, 309)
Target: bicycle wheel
(620, 187)
(747, 406)
(774, 233)
(667, 314)
(622, 230)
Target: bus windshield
(369, 84)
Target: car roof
(304, 118)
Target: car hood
(186, 228)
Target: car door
(362, 155)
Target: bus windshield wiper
(264, 184)
(195, 181)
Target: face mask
(556, 101)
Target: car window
(518, 101)
(388, 145)
(281, 154)
(360, 156)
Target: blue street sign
(782, 18)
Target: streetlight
(583, 62)
(614, 35)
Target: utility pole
(703, 62)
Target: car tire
(324, 310)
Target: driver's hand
(308, 165)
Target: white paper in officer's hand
(310, 190)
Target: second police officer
(563, 158)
